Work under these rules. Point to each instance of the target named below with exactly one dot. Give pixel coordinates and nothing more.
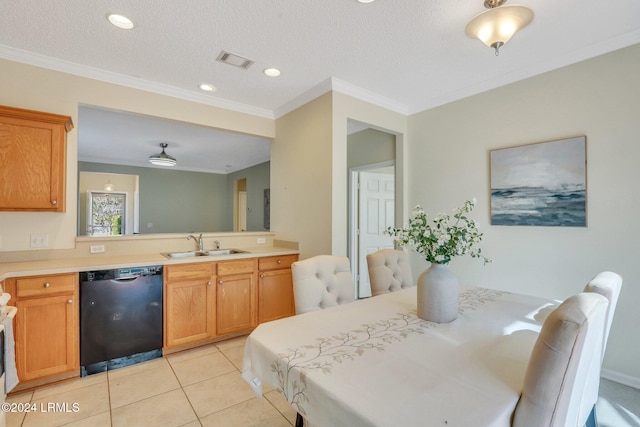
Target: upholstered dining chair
(321, 281)
(608, 284)
(389, 271)
(563, 374)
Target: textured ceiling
(407, 55)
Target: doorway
(374, 171)
(372, 207)
(240, 205)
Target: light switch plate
(261, 240)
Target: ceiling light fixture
(120, 21)
(271, 72)
(496, 26)
(207, 87)
(109, 186)
(162, 159)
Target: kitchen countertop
(105, 262)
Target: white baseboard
(624, 379)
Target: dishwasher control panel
(120, 273)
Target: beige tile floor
(203, 388)
(196, 388)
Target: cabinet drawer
(240, 266)
(179, 272)
(46, 285)
(276, 262)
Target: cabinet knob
(70, 301)
(47, 284)
(220, 282)
(262, 276)
(209, 283)
(54, 202)
(279, 261)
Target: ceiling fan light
(495, 27)
(162, 159)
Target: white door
(375, 214)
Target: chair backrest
(608, 284)
(564, 367)
(321, 281)
(389, 271)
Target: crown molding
(300, 100)
(366, 95)
(337, 85)
(50, 63)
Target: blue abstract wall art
(542, 184)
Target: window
(106, 213)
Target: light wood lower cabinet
(207, 300)
(275, 288)
(190, 304)
(46, 325)
(236, 296)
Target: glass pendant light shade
(496, 26)
(162, 159)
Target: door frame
(354, 250)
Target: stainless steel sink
(206, 252)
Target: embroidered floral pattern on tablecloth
(292, 367)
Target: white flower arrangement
(445, 238)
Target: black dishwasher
(120, 317)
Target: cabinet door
(235, 303)
(47, 336)
(33, 149)
(275, 299)
(190, 312)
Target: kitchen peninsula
(205, 298)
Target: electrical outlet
(96, 249)
(39, 240)
(261, 240)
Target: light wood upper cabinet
(190, 304)
(46, 325)
(32, 160)
(275, 288)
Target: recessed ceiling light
(366, 1)
(207, 87)
(271, 72)
(120, 21)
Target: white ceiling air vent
(235, 60)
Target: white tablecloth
(372, 362)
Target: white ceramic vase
(437, 294)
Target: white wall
(449, 163)
(34, 88)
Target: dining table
(373, 362)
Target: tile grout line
(263, 395)
(184, 392)
(109, 392)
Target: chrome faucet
(197, 240)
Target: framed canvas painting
(542, 184)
